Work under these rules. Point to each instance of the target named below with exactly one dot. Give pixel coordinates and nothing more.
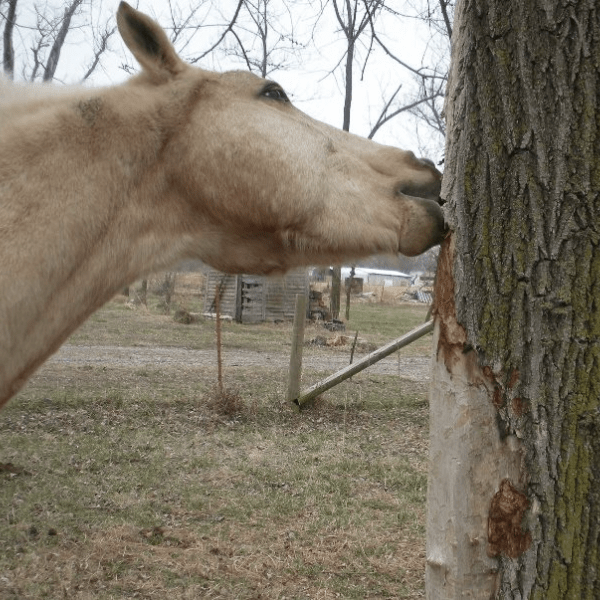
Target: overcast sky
(318, 46)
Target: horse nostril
(406, 189)
(428, 162)
(429, 190)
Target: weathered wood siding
(255, 299)
(252, 291)
(229, 298)
(280, 295)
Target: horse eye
(276, 94)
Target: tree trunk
(348, 84)
(514, 487)
(8, 54)
(59, 41)
(349, 282)
(336, 278)
(336, 291)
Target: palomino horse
(99, 187)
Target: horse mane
(21, 97)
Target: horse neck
(73, 222)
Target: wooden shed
(254, 299)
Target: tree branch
(52, 61)
(444, 8)
(100, 50)
(339, 18)
(227, 30)
(244, 53)
(35, 50)
(393, 56)
(384, 119)
(384, 111)
(368, 19)
(178, 28)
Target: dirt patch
(410, 367)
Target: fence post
(297, 343)
(218, 330)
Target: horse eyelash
(281, 95)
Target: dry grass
(225, 402)
(127, 484)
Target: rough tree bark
(514, 487)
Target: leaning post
(363, 363)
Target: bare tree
(428, 108)
(59, 40)
(440, 15)
(43, 31)
(227, 29)
(358, 23)
(353, 20)
(184, 21)
(430, 78)
(100, 47)
(8, 55)
(265, 39)
(353, 17)
(253, 32)
(387, 113)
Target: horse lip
(438, 227)
(433, 209)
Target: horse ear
(148, 43)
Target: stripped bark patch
(505, 535)
(452, 337)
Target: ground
(123, 477)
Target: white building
(378, 276)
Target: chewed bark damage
(452, 337)
(505, 535)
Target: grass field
(130, 483)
